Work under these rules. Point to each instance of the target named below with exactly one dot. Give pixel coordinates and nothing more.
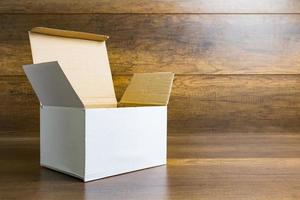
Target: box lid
(51, 85)
(83, 59)
(149, 89)
(69, 34)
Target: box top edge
(69, 34)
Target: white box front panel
(120, 140)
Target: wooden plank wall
(150, 6)
(236, 70)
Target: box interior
(72, 69)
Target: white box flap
(83, 59)
(149, 89)
(51, 85)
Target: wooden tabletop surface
(200, 166)
(234, 111)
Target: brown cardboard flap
(148, 89)
(69, 34)
(51, 85)
(84, 62)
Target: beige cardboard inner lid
(83, 59)
(149, 89)
(51, 85)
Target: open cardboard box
(82, 130)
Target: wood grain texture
(184, 44)
(209, 145)
(191, 177)
(150, 6)
(229, 136)
(233, 103)
(201, 103)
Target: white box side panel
(63, 139)
(120, 140)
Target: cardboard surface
(84, 62)
(148, 89)
(51, 85)
(127, 139)
(62, 139)
(69, 34)
(100, 142)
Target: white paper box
(83, 133)
(100, 142)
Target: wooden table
(200, 166)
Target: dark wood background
(216, 58)
(234, 112)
